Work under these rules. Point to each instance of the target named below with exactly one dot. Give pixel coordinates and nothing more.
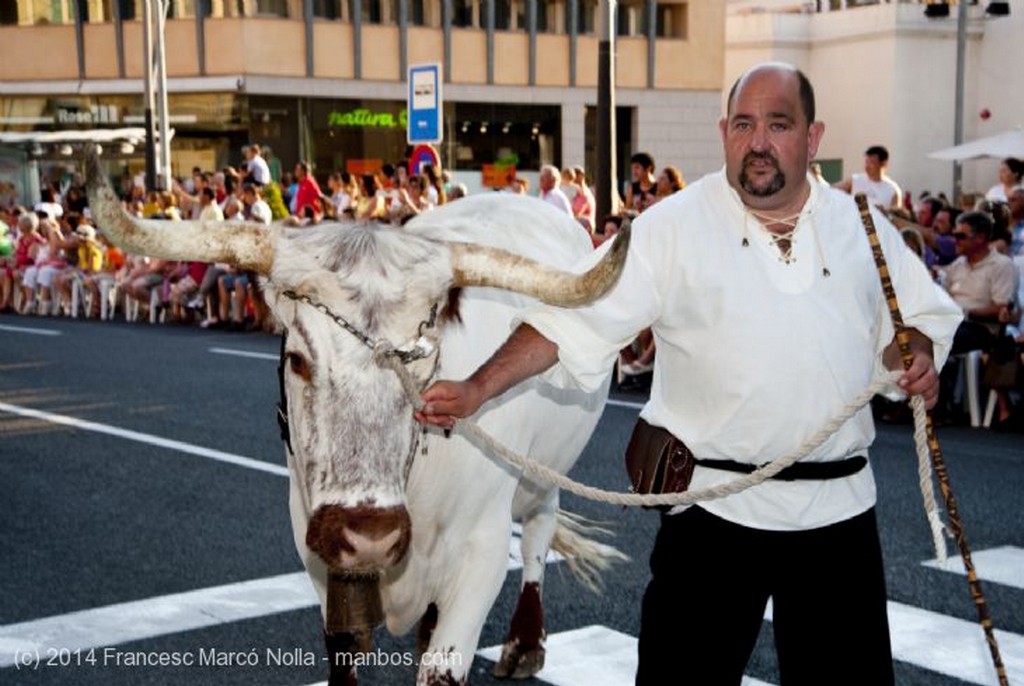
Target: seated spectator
(232, 288)
(371, 203)
(6, 267)
(112, 266)
(146, 274)
(89, 259)
(458, 190)
(983, 283)
(185, 283)
(48, 262)
(256, 208)
(342, 193)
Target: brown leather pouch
(657, 461)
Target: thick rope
(927, 482)
(547, 475)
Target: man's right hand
(446, 401)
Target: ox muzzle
(361, 537)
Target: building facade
(324, 80)
(885, 73)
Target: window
(372, 11)
(28, 12)
(176, 9)
(327, 9)
(462, 13)
(586, 17)
(672, 20)
(272, 8)
(629, 20)
(547, 17)
(526, 136)
(418, 13)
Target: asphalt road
(90, 517)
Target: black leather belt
(801, 471)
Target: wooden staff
(955, 523)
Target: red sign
(421, 155)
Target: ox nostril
(359, 536)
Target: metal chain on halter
(420, 349)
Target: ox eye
(298, 365)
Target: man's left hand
(921, 379)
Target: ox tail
(587, 559)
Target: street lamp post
(958, 122)
(605, 178)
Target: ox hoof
(519, 664)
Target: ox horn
(475, 265)
(245, 245)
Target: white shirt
(259, 169)
(557, 198)
(261, 212)
(883, 192)
(755, 355)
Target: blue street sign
(424, 122)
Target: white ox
(440, 535)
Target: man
(755, 354)
(982, 281)
(209, 210)
(875, 183)
(307, 197)
(549, 190)
(257, 208)
(257, 169)
(642, 190)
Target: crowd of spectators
(53, 260)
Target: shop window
(462, 13)
(327, 9)
(482, 135)
(672, 20)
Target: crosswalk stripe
(1003, 565)
(169, 614)
(593, 655)
(141, 619)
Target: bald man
(764, 300)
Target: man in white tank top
(881, 190)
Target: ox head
(339, 290)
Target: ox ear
(475, 265)
(245, 245)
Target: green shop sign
(363, 118)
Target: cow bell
(354, 605)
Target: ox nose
(361, 537)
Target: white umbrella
(1006, 144)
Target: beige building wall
(885, 74)
(38, 53)
(332, 50)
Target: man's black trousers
(711, 580)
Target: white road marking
(948, 645)
(141, 619)
(1003, 565)
(26, 329)
(244, 353)
(149, 439)
(591, 655)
